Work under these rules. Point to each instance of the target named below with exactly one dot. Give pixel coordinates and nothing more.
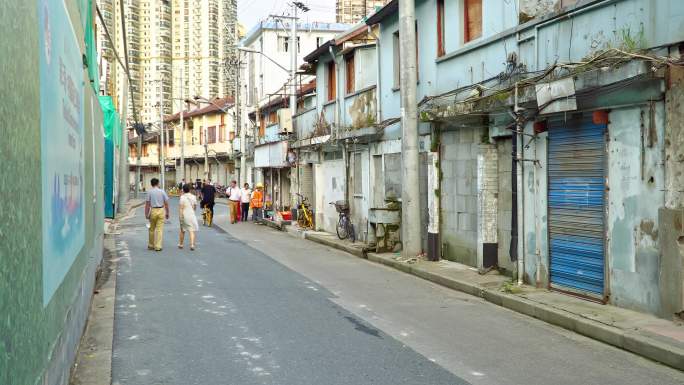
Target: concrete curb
(336, 245)
(637, 342)
(272, 224)
(93, 364)
(634, 341)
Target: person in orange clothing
(257, 201)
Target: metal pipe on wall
(378, 71)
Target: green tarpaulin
(112, 122)
(90, 44)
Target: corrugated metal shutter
(576, 177)
(306, 181)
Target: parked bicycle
(304, 216)
(345, 229)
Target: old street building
(210, 141)
(550, 141)
(272, 159)
(266, 51)
(209, 145)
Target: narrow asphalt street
(257, 306)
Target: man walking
(156, 211)
(233, 201)
(245, 197)
(208, 196)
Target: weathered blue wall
(568, 35)
(37, 342)
(636, 177)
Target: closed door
(576, 212)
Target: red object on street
(239, 215)
(287, 215)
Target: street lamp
(243, 49)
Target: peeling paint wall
(635, 181)
(529, 9)
(359, 174)
(534, 231)
(674, 139)
(671, 217)
(330, 187)
(361, 110)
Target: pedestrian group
(240, 201)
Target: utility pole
(410, 190)
(162, 166)
(140, 133)
(293, 60)
(123, 159)
(182, 128)
(296, 5)
(206, 147)
(238, 126)
(182, 86)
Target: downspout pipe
(337, 89)
(378, 81)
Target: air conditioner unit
(285, 121)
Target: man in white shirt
(234, 195)
(245, 197)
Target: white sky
(251, 12)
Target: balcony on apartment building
(308, 128)
(359, 114)
(271, 134)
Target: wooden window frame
(211, 134)
(440, 28)
(331, 81)
(349, 75)
(397, 59)
(467, 34)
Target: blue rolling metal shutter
(576, 177)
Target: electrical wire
(118, 58)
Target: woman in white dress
(188, 219)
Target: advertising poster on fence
(61, 125)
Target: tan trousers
(157, 216)
(233, 211)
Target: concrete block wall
(458, 164)
(504, 202)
